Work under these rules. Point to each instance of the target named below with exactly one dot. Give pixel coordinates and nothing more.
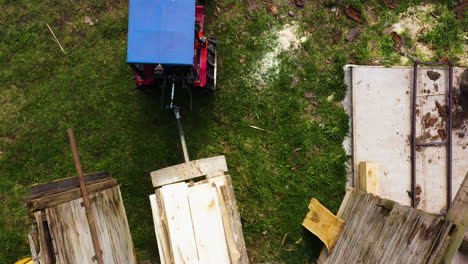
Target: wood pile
(197, 221)
(61, 232)
(378, 230)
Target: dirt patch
(429, 121)
(433, 75)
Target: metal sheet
(161, 31)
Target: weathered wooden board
(64, 184)
(381, 231)
(160, 230)
(208, 224)
(180, 227)
(66, 196)
(71, 236)
(208, 167)
(112, 226)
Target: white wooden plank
(208, 224)
(158, 228)
(210, 167)
(174, 198)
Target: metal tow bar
(181, 134)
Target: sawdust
(268, 66)
(416, 21)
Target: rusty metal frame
(447, 143)
(86, 201)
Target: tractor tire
(211, 67)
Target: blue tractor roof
(161, 31)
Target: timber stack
(61, 231)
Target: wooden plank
(112, 226)
(369, 177)
(43, 256)
(63, 197)
(65, 184)
(183, 245)
(232, 222)
(70, 233)
(161, 235)
(381, 231)
(323, 223)
(32, 246)
(208, 224)
(457, 214)
(208, 167)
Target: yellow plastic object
(322, 223)
(25, 261)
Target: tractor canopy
(161, 32)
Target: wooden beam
(369, 177)
(457, 214)
(43, 256)
(208, 167)
(63, 197)
(65, 184)
(323, 223)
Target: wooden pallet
(197, 221)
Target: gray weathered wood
(457, 214)
(43, 255)
(71, 236)
(66, 196)
(61, 185)
(208, 167)
(381, 231)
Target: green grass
(275, 172)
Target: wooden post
(86, 201)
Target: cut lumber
(64, 184)
(161, 239)
(208, 224)
(180, 227)
(323, 223)
(369, 177)
(208, 167)
(457, 214)
(66, 196)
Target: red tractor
(169, 53)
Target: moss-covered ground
(298, 154)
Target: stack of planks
(197, 222)
(61, 233)
(378, 230)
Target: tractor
(169, 53)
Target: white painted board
(379, 104)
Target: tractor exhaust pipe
(181, 134)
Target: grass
(275, 172)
